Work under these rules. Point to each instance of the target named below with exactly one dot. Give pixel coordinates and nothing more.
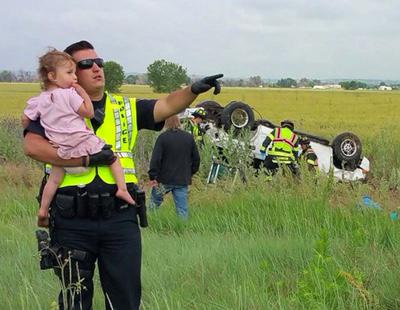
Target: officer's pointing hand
(206, 84)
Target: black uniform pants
(115, 243)
(272, 167)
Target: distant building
(328, 86)
(383, 87)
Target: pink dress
(58, 112)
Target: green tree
(255, 81)
(286, 83)
(164, 76)
(7, 76)
(352, 85)
(131, 79)
(114, 74)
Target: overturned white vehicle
(342, 157)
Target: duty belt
(93, 205)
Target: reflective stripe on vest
(281, 160)
(118, 130)
(124, 154)
(310, 161)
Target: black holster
(140, 199)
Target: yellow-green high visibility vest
(119, 129)
(283, 145)
(196, 133)
(194, 129)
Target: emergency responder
(284, 149)
(307, 154)
(85, 216)
(193, 124)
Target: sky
(270, 38)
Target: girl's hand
(79, 89)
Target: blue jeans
(179, 193)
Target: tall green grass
(269, 245)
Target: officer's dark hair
(78, 46)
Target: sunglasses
(88, 63)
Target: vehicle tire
(347, 151)
(213, 110)
(208, 104)
(238, 115)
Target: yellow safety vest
(194, 130)
(196, 133)
(283, 145)
(119, 129)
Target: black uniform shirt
(145, 120)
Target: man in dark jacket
(174, 160)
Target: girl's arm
(25, 121)
(86, 109)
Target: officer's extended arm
(179, 100)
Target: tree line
(164, 76)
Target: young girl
(62, 107)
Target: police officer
(307, 154)
(109, 236)
(193, 124)
(283, 150)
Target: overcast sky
(240, 38)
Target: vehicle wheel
(346, 151)
(208, 104)
(238, 115)
(213, 110)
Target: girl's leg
(119, 177)
(54, 181)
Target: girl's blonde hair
(49, 62)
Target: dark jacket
(175, 158)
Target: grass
(244, 248)
(265, 245)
